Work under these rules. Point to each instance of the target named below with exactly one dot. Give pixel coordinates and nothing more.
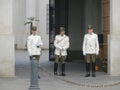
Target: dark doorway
(58, 10)
(75, 16)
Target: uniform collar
(62, 36)
(91, 33)
(34, 35)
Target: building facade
(13, 32)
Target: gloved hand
(97, 52)
(60, 47)
(84, 53)
(63, 48)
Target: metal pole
(34, 75)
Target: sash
(61, 40)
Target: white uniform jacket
(90, 44)
(61, 44)
(32, 42)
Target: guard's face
(34, 32)
(90, 31)
(62, 33)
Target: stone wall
(7, 64)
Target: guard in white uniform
(34, 44)
(90, 50)
(61, 44)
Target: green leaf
(31, 18)
(27, 23)
(37, 20)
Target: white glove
(64, 48)
(84, 53)
(97, 52)
(60, 48)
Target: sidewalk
(74, 80)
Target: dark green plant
(30, 21)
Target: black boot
(55, 68)
(63, 70)
(93, 70)
(38, 77)
(88, 74)
(87, 70)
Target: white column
(19, 14)
(114, 39)
(30, 8)
(42, 25)
(7, 64)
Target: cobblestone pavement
(74, 80)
